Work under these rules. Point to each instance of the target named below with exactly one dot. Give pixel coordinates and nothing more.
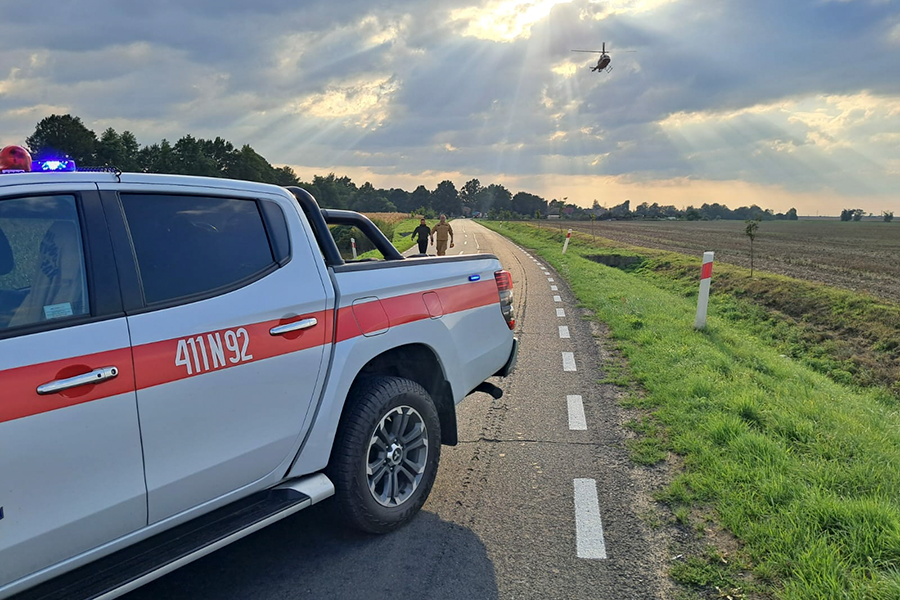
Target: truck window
(42, 273)
(190, 245)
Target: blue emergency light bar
(47, 166)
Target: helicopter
(603, 62)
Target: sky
(781, 103)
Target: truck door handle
(95, 376)
(296, 326)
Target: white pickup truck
(184, 361)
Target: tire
(382, 475)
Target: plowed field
(862, 256)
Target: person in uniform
(421, 234)
(444, 235)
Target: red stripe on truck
(179, 358)
(18, 390)
(222, 349)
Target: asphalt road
(524, 507)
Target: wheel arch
(419, 363)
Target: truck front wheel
(385, 454)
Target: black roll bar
(320, 228)
(368, 228)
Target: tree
(421, 197)
(191, 159)
(130, 149)
(791, 215)
(401, 199)
(887, 216)
(369, 200)
(622, 211)
(109, 149)
(750, 231)
(286, 176)
(120, 151)
(158, 158)
(526, 204)
(424, 211)
(852, 214)
(249, 165)
(222, 153)
(64, 135)
(445, 198)
(468, 194)
(334, 192)
(494, 196)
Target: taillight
(505, 289)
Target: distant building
(552, 216)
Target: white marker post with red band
(353, 246)
(566, 244)
(703, 300)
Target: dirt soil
(856, 256)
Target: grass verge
(401, 239)
(851, 337)
(803, 470)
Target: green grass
(402, 239)
(804, 470)
(710, 571)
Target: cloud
(503, 20)
(817, 142)
(362, 102)
(566, 68)
(799, 96)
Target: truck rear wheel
(385, 454)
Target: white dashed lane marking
(589, 540)
(588, 526)
(577, 422)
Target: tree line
(856, 214)
(59, 136)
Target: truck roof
(81, 177)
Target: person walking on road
(421, 234)
(444, 234)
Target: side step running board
(132, 567)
